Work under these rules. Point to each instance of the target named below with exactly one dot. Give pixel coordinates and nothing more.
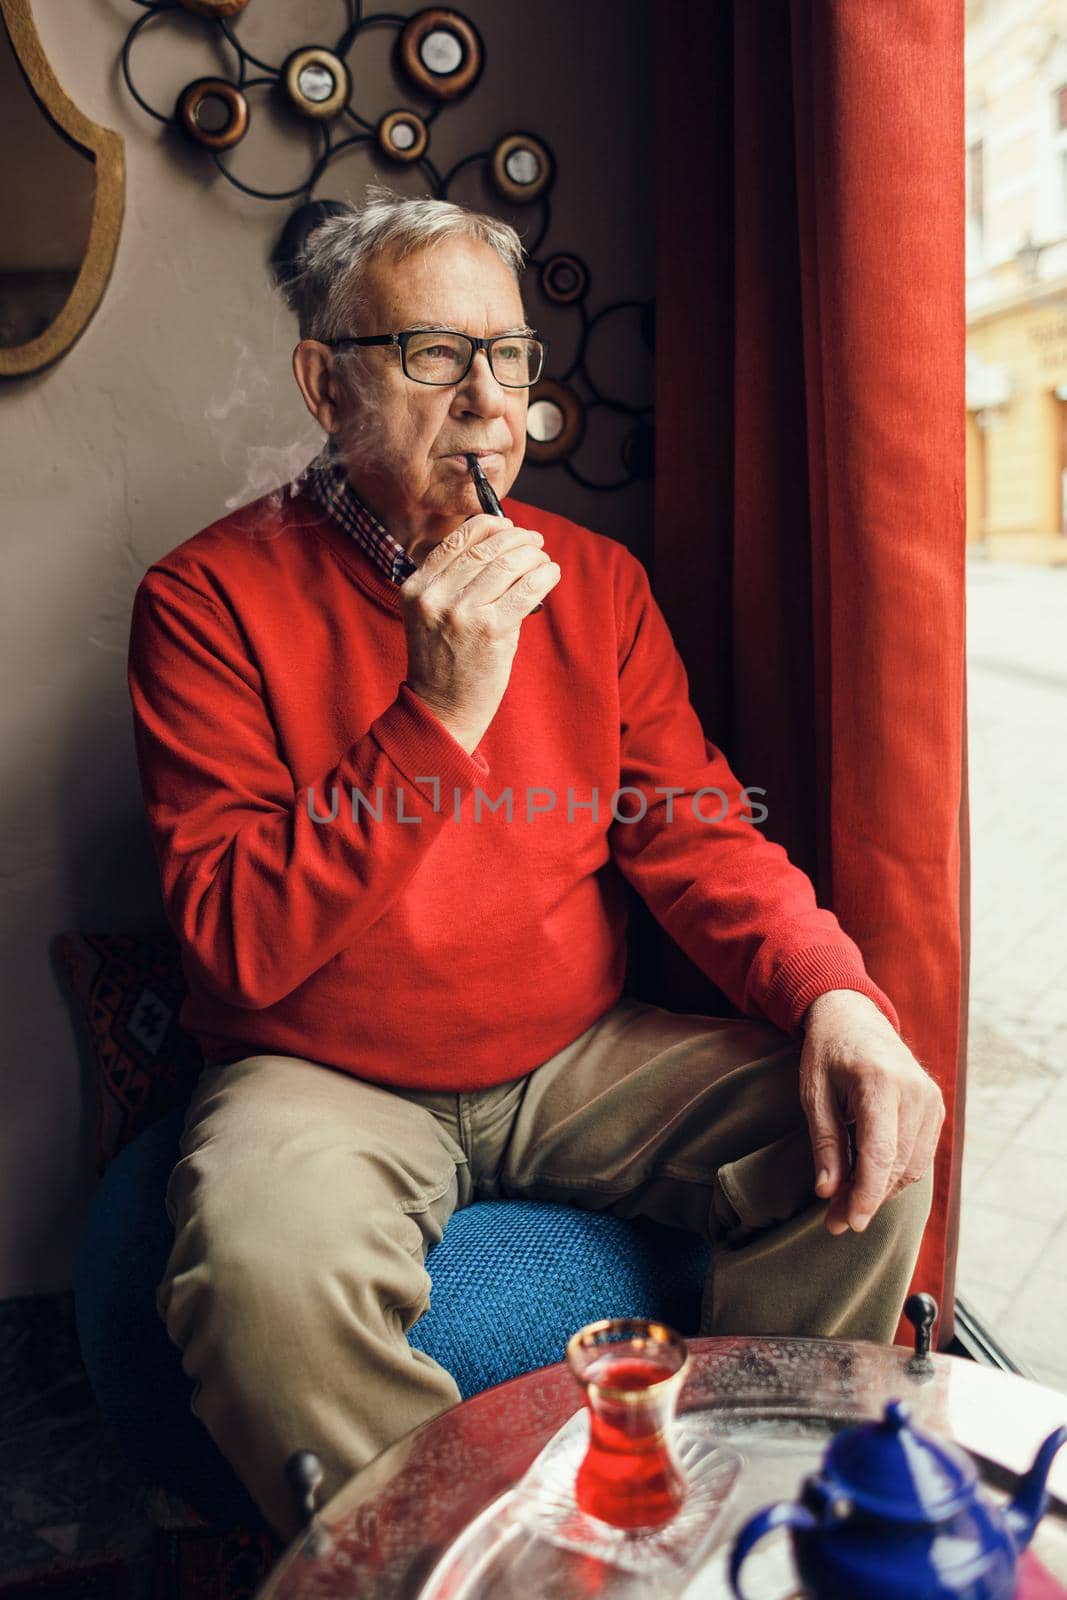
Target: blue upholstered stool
(511, 1281)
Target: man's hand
(855, 1068)
(462, 612)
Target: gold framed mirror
(62, 187)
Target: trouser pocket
(768, 1186)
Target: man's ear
(318, 383)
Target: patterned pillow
(128, 990)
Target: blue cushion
(511, 1281)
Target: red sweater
(414, 943)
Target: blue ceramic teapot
(895, 1514)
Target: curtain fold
(810, 530)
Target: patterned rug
(70, 1580)
(199, 1565)
(188, 1566)
(75, 1523)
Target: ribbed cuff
(814, 972)
(422, 748)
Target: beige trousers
(305, 1199)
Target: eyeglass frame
(402, 339)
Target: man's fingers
(903, 1171)
(911, 1143)
(462, 539)
(483, 551)
(916, 1161)
(836, 1220)
(481, 526)
(877, 1135)
(854, 1059)
(501, 545)
(833, 1162)
(503, 572)
(828, 1134)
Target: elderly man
(395, 807)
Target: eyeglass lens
(444, 358)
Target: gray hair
(324, 287)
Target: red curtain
(810, 529)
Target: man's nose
(479, 391)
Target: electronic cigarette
(488, 500)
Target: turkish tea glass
(632, 1371)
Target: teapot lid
(893, 1471)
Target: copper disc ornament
(555, 423)
(402, 136)
(213, 113)
(521, 167)
(316, 82)
(564, 279)
(440, 52)
(214, 8)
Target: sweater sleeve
(728, 896)
(259, 893)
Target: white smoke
(270, 469)
(246, 415)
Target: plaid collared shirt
(328, 484)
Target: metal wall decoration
(440, 53)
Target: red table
(395, 1524)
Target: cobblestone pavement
(1013, 1232)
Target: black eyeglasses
(442, 356)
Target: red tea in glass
(631, 1371)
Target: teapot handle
(782, 1515)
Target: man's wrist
(467, 737)
(840, 1002)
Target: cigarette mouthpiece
(487, 496)
(487, 499)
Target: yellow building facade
(1016, 455)
(1016, 90)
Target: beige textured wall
(178, 397)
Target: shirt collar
(327, 482)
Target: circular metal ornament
(555, 423)
(441, 52)
(522, 167)
(214, 8)
(402, 136)
(213, 113)
(564, 278)
(316, 82)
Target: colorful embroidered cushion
(128, 990)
